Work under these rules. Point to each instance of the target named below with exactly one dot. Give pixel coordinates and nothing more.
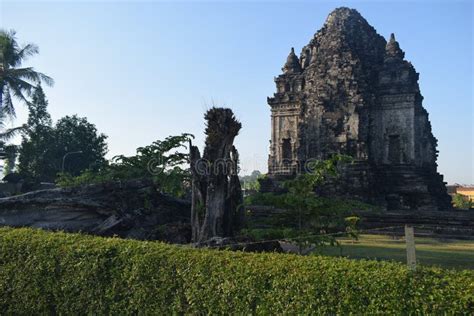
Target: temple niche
(352, 92)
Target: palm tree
(15, 80)
(8, 152)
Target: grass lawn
(444, 253)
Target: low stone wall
(448, 224)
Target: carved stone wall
(352, 92)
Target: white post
(410, 241)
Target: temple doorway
(286, 150)
(394, 149)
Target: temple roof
(292, 64)
(392, 50)
(338, 15)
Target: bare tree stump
(216, 191)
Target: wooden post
(410, 242)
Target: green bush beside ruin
(58, 273)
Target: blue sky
(144, 70)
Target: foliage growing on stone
(326, 216)
(306, 215)
(163, 161)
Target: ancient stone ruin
(129, 209)
(353, 93)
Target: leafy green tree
(77, 146)
(16, 80)
(163, 162)
(308, 218)
(38, 115)
(8, 152)
(300, 196)
(36, 154)
(250, 182)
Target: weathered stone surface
(353, 93)
(455, 224)
(131, 209)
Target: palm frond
(11, 149)
(28, 50)
(12, 132)
(18, 93)
(22, 73)
(11, 34)
(9, 48)
(3, 116)
(7, 108)
(30, 74)
(19, 85)
(46, 79)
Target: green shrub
(162, 161)
(319, 217)
(462, 201)
(58, 273)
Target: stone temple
(352, 92)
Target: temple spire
(292, 64)
(392, 50)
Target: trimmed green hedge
(45, 273)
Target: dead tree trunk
(234, 201)
(198, 190)
(216, 193)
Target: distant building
(466, 190)
(451, 189)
